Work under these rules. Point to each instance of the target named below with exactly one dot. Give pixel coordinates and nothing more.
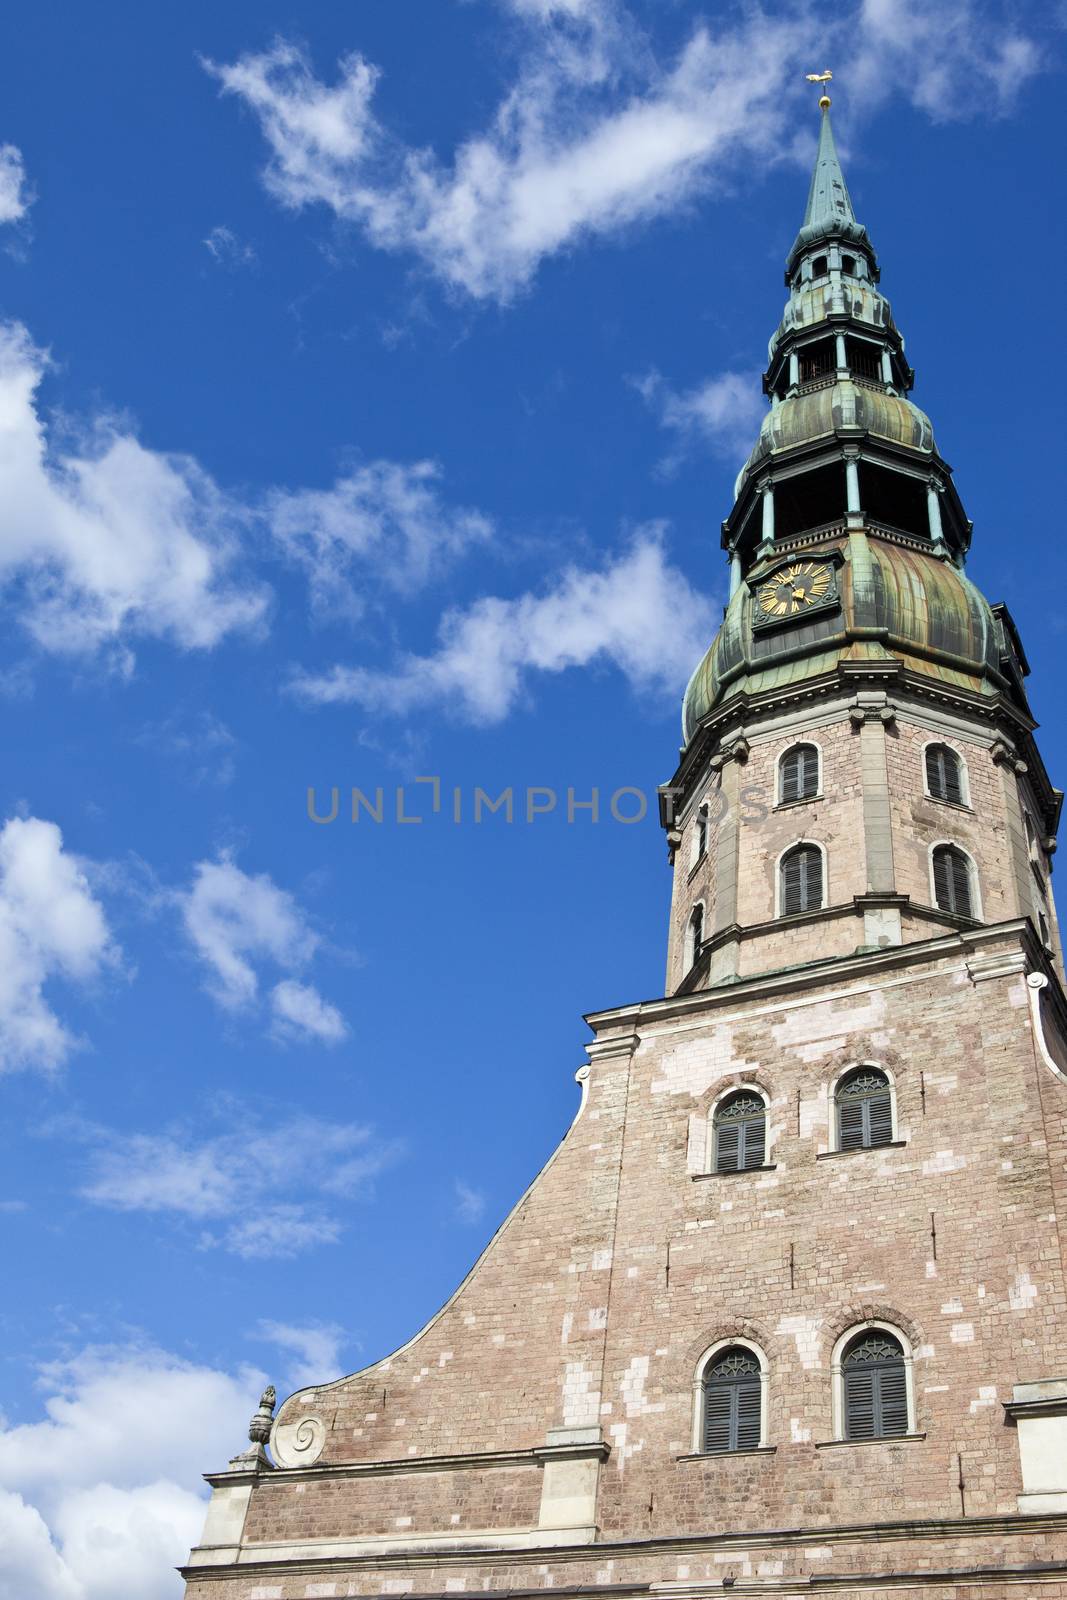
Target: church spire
(829, 213)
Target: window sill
(695, 868)
(734, 1172)
(719, 1455)
(862, 1150)
(953, 805)
(896, 1438)
(805, 800)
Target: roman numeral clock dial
(794, 590)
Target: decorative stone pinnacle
(255, 1458)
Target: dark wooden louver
(732, 1403)
(864, 1110)
(952, 881)
(801, 880)
(740, 1134)
(800, 773)
(876, 1389)
(943, 777)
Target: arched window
(944, 773)
(700, 841)
(864, 1110)
(952, 880)
(801, 887)
(848, 264)
(696, 934)
(740, 1127)
(875, 1387)
(819, 267)
(798, 773)
(733, 1401)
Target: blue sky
(372, 385)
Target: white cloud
(593, 134)
(264, 1191)
(957, 58)
(227, 250)
(300, 1009)
(388, 517)
(723, 413)
(95, 1502)
(201, 745)
(15, 196)
(317, 1347)
(235, 920)
(470, 1203)
(51, 927)
(637, 613)
(109, 540)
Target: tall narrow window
(864, 1110)
(952, 881)
(696, 933)
(801, 880)
(701, 834)
(798, 773)
(740, 1133)
(733, 1396)
(876, 1387)
(944, 773)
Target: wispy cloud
(262, 1190)
(16, 196)
(470, 1203)
(52, 929)
(388, 521)
(594, 134)
(722, 414)
(227, 250)
(109, 540)
(316, 1347)
(238, 922)
(637, 613)
(202, 746)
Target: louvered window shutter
(801, 880)
(809, 771)
(864, 1110)
(800, 773)
(859, 1404)
(876, 1388)
(727, 1147)
(943, 773)
(879, 1119)
(733, 1402)
(740, 1133)
(850, 1123)
(952, 881)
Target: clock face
(794, 589)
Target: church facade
(786, 1312)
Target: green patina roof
(829, 213)
(897, 604)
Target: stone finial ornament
(255, 1458)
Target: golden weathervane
(822, 78)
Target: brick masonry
(627, 1259)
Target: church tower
(786, 1312)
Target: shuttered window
(740, 1133)
(944, 773)
(733, 1396)
(696, 934)
(876, 1387)
(802, 887)
(799, 773)
(864, 1110)
(952, 881)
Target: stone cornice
(675, 1545)
(831, 971)
(535, 1456)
